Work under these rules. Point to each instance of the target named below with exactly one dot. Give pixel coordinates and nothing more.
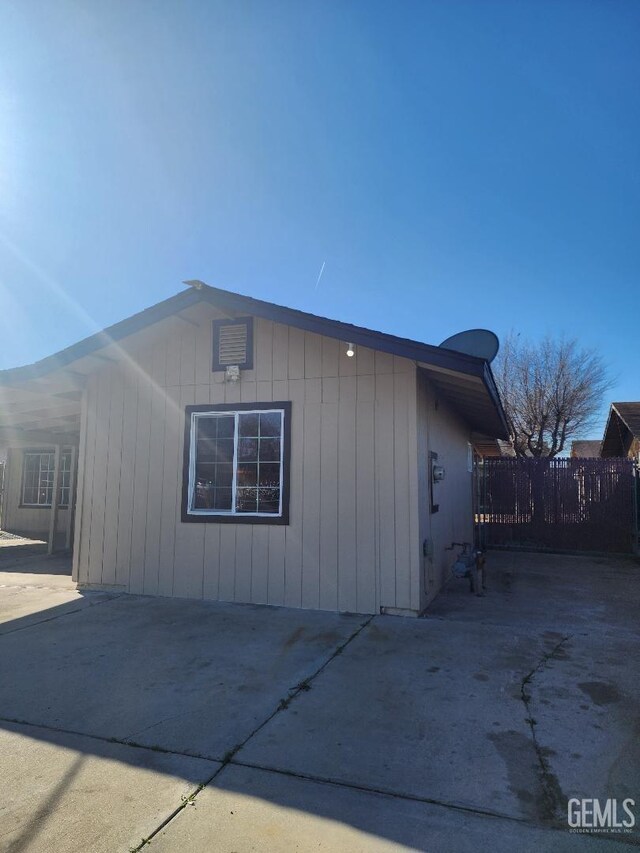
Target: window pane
(65, 479)
(270, 424)
(207, 450)
(257, 469)
(225, 450)
(224, 475)
(207, 427)
(248, 449)
(31, 462)
(226, 426)
(31, 478)
(269, 500)
(246, 500)
(30, 495)
(269, 449)
(269, 474)
(248, 425)
(247, 474)
(203, 496)
(222, 499)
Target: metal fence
(558, 504)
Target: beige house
(221, 447)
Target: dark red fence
(558, 504)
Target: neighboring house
(227, 448)
(587, 449)
(494, 448)
(622, 432)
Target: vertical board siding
(366, 544)
(82, 465)
(86, 572)
(101, 459)
(385, 489)
(441, 431)
(114, 473)
(353, 474)
(142, 467)
(122, 527)
(311, 462)
(171, 473)
(293, 531)
(188, 574)
(154, 490)
(328, 574)
(401, 464)
(347, 495)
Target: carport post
(54, 500)
(72, 497)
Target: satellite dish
(478, 342)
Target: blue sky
(453, 164)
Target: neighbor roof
(623, 425)
(585, 449)
(466, 381)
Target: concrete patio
(204, 726)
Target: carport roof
(464, 380)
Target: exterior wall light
(350, 351)
(232, 373)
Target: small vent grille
(233, 343)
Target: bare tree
(551, 391)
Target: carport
(41, 413)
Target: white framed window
(37, 478)
(236, 463)
(65, 478)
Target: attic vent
(233, 343)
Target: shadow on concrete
(29, 556)
(34, 561)
(199, 679)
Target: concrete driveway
(205, 726)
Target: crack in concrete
(551, 791)
(187, 800)
(227, 759)
(102, 739)
(369, 789)
(87, 606)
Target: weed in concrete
(229, 754)
(551, 792)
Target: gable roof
(466, 381)
(623, 425)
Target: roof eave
(100, 340)
(234, 303)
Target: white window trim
(192, 463)
(41, 453)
